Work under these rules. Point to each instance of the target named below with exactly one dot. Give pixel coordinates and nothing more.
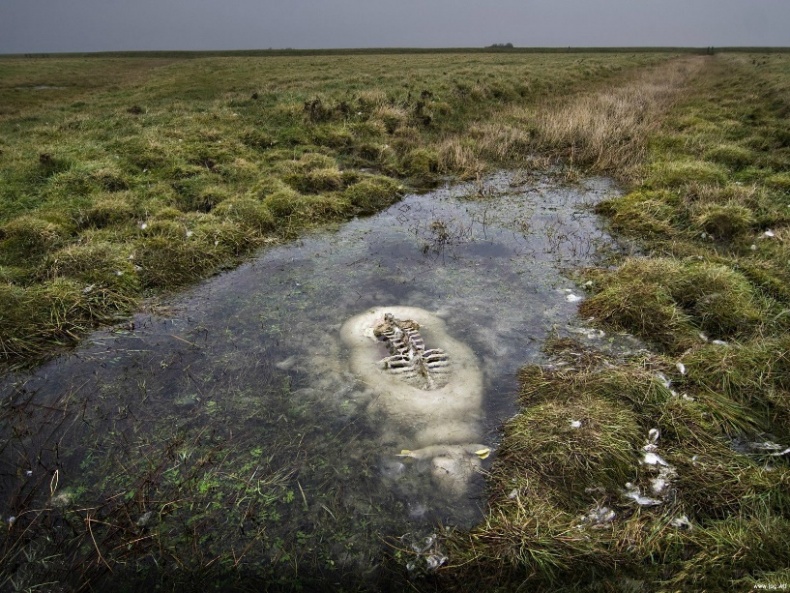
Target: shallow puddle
(231, 428)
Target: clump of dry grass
(508, 140)
(405, 138)
(370, 100)
(459, 158)
(608, 129)
(57, 312)
(391, 116)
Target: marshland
(183, 237)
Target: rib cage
(409, 360)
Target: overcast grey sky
(99, 25)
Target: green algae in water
(228, 433)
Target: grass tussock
(544, 440)
(57, 312)
(685, 173)
(648, 213)
(732, 550)
(29, 236)
(108, 211)
(372, 194)
(670, 302)
(95, 263)
(507, 141)
(459, 159)
(726, 221)
(247, 212)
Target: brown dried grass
(607, 129)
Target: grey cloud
(101, 25)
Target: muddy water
(229, 427)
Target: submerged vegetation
(652, 470)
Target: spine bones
(409, 360)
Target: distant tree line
(501, 46)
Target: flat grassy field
(123, 178)
(120, 177)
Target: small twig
(88, 521)
(304, 498)
(326, 508)
(237, 561)
(183, 340)
(53, 483)
(134, 541)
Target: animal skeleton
(409, 360)
(428, 402)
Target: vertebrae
(409, 360)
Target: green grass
(138, 175)
(708, 204)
